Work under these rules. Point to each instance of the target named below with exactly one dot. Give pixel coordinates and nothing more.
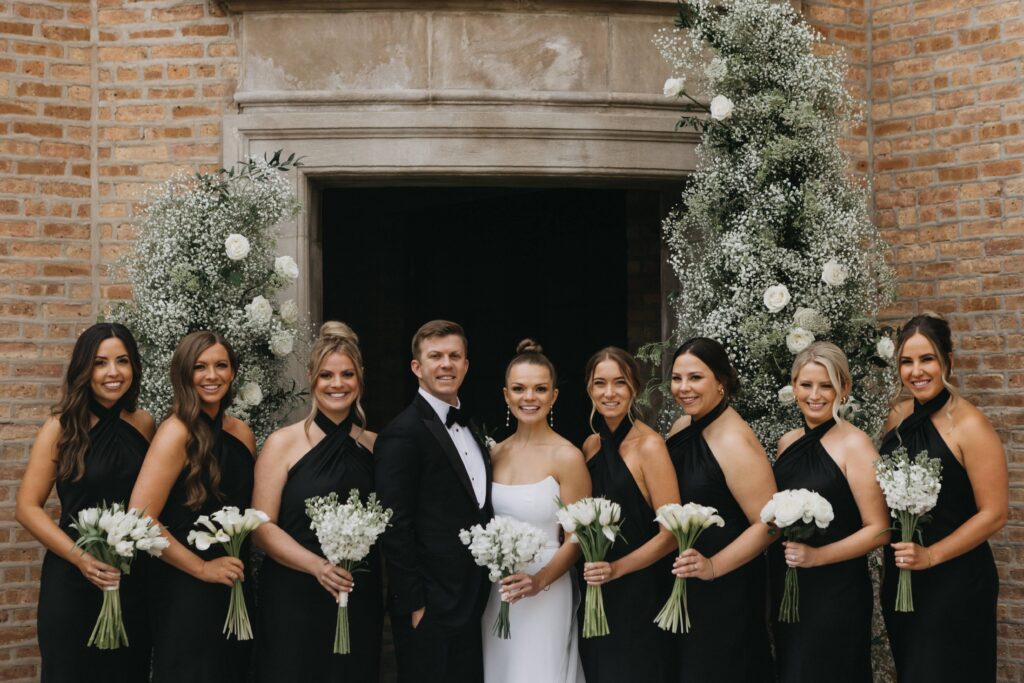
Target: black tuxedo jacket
(420, 476)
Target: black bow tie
(458, 415)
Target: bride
(532, 468)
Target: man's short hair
(437, 328)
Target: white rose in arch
(259, 310)
(286, 267)
(776, 297)
(290, 312)
(885, 348)
(674, 86)
(281, 343)
(251, 394)
(236, 246)
(786, 395)
(834, 273)
(721, 107)
(798, 339)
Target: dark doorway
(574, 268)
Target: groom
(434, 472)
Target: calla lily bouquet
(230, 527)
(686, 523)
(798, 514)
(593, 523)
(114, 535)
(346, 531)
(506, 546)
(911, 488)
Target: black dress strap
(610, 443)
(329, 427)
(696, 427)
(810, 437)
(922, 412)
(102, 412)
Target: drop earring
(508, 416)
(551, 417)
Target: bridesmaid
(628, 464)
(832, 640)
(719, 462)
(200, 461)
(92, 447)
(533, 469)
(951, 634)
(298, 588)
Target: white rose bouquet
(593, 523)
(797, 514)
(911, 487)
(346, 532)
(113, 535)
(506, 546)
(687, 523)
(230, 527)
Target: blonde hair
(335, 337)
(832, 358)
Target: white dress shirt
(466, 445)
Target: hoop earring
(508, 416)
(551, 417)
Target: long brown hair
(72, 410)
(203, 469)
(936, 330)
(335, 337)
(630, 370)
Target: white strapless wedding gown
(542, 648)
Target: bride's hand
(518, 586)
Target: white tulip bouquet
(113, 535)
(797, 514)
(911, 487)
(593, 523)
(506, 546)
(230, 527)
(687, 523)
(346, 531)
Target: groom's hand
(417, 616)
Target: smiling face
(610, 391)
(529, 392)
(337, 386)
(111, 372)
(921, 368)
(441, 366)
(694, 386)
(815, 393)
(212, 376)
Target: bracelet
(713, 575)
(929, 553)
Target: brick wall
(97, 99)
(944, 133)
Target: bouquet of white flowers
(230, 527)
(113, 535)
(345, 532)
(505, 546)
(798, 514)
(687, 523)
(911, 488)
(594, 524)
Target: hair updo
(336, 337)
(712, 354)
(531, 352)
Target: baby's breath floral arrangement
(205, 258)
(772, 243)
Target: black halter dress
(728, 614)
(832, 640)
(297, 615)
(635, 649)
(187, 615)
(68, 603)
(951, 634)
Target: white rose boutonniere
(798, 339)
(776, 297)
(674, 87)
(286, 267)
(236, 246)
(834, 273)
(885, 348)
(721, 107)
(259, 310)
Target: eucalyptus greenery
(772, 243)
(205, 259)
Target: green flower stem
(342, 645)
(237, 621)
(109, 633)
(789, 610)
(502, 626)
(595, 621)
(904, 592)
